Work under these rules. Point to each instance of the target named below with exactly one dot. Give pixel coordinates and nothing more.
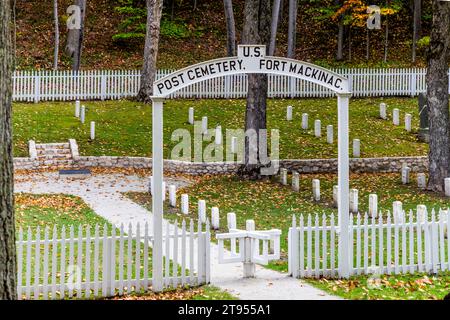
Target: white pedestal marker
(422, 213)
(184, 203)
(283, 176)
(373, 205)
(83, 114)
(335, 196)
(191, 116)
(295, 181)
(421, 181)
(397, 210)
(354, 200)
(204, 125)
(330, 134)
(202, 211)
(356, 148)
(305, 121)
(218, 137)
(289, 113)
(317, 128)
(231, 220)
(172, 195)
(396, 117)
(92, 136)
(405, 175)
(383, 114)
(408, 119)
(77, 108)
(316, 189)
(215, 219)
(233, 144)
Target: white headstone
(335, 196)
(422, 213)
(373, 205)
(421, 181)
(354, 200)
(318, 128)
(295, 181)
(383, 114)
(215, 219)
(163, 188)
(191, 116)
(218, 137)
(397, 211)
(356, 148)
(184, 203)
(289, 113)
(396, 117)
(204, 125)
(447, 187)
(92, 130)
(316, 189)
(231, 220)
(330, 134)
(250, 225)
(405, 175)
(77, 108)
(202, 211)
(233, 144)
(283, 176)
(408, 119)
(172, 195)
(305, 121)
(83, 114)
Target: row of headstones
(202, 212)
(80, 113)
(422, 180)
(318, 131)
(353, 194)
(396, 116)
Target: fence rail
(406, 244)
(117, 84)
(102, 262)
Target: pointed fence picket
(67, 85)
(377, 245)
(103, 262)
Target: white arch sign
(250, 59)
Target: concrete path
(103, 193)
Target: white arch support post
(157, 200)
(343, 185)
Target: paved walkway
(103, 193)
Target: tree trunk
(367, 45)
(75, 38)
(386, 36)
(56, 22)
(417, 21)
(292, 28)
(8, 286)
(340, 37)
(231, 28)
(154, 12)
(274, 26)
(256, 30)
(437, 96)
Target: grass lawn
(124, 127)
(272, 205)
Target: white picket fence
(117, 84)
(102, 262)
(377, 245)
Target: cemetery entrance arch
(250, 59)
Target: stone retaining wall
(362, 165)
